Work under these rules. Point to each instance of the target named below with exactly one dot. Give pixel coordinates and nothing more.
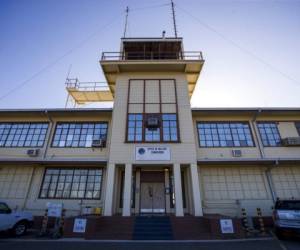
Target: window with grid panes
(79, 134)
(168, 127)
(72, 183)
(135, 127)
(23, 134)
(224, 134)
(269, 134)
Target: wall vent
(236, 153)
(291, 141)
(33, 152)
(98, 143)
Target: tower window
(152, 128)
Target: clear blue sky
(34, 34)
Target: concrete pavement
(70, 244)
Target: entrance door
(153, 197)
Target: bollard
(44, 223)
(261, 222)
(245, 221)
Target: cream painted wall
(58, 153)
(121, 152)
(286, 129)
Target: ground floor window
(68, 183)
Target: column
(178, 190)
(167, 194)
(110, 183)
(127, 190)
(137, 190)
(196, 190)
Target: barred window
(269, 134)
(224, 134)
(170, 127)
(23, 134)
(79, 134)
(135, 127)
(71, 183)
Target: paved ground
(270, 244)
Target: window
(4, 209)
(224, 134)
(79, 134)
(23, 134)
(297, 124)
(72, 183)
(166, 131)
(169, 127)
(135, 127)
(269, 134)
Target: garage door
(286, 180)
(232, 183)
(14, 182)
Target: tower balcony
(152, 55)
(84, 92)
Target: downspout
(49, 135)
(256, 134)
(270, 181)
(34, 167)
(262, 155)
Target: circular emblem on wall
(142, 151)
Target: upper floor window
(135, 127)
(269, 134)
(23, 134)
(78, 183)
(224, 134)
(79, 134)
(297, 124)
(152, 128)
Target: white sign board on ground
(160, 153)
(54, 209)
(79, 225)
(226, 226)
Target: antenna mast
(126, 20)
(174, 19)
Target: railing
(86, 86)
(144, 55)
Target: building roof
(75, 110)
(204, 110)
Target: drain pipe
(44, 156)
(262, 155)
(49, 135)
(256, 134)
(270, 181)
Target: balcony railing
(86, 86)
(144, 55)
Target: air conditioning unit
(236, 153)
(98, 143)
(33, 152)
(152, 122)
(291, 141)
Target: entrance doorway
(152, 199)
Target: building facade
(151, 153)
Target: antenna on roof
(174, 19)
(126, 20)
